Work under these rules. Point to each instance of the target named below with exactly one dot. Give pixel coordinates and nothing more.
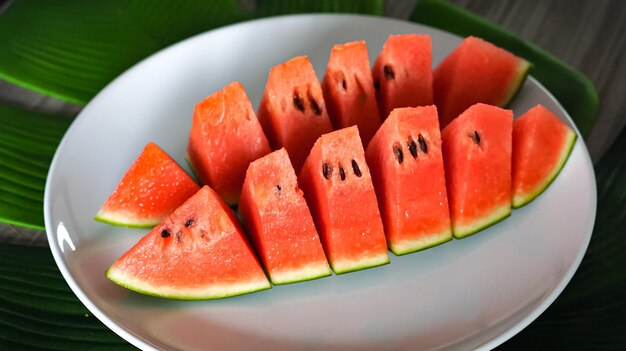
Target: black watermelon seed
(422, 142)
(315, 107)
(327, 170)
(475, 137)
(278, 190)
(344, 84)
(376, 85)
(342, 173)
(165, 233)
(356, 169)
(189, 223)
(412, 147)
(297, 102)
(388, 72)
(398, 152)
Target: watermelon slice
(476, 71)
(403, 74)
(542, 144)
(349, 91)
(279, 223)
(225, 137)
(477, 159)
(292, 110)
(407, 169)
(198, 252)
(338, 188)
(153, 186)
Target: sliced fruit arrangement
(477, 159)
(198, 252)
(476, 71)
(403, 74)
(152, 188)
(349, 90)
(279, 223)
(541, 145)
(338, 188)
(407, 169)
(425, 186)
(225, 137)
(292, 110)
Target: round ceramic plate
(465, 294)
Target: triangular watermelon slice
(225, 137)
(477, 159)
(338, 188)
(407, 168)
(476, 71)
(348, 89)
(541, 146)
(403, 73)
(279, 223)
(292, 110)
(153, 186)
(198, 252)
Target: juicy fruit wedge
(476, 71)
(279, 223)
(403, 74)
(407, 169)
(349, 90)
(152, 188)
(477, 159)
(542, 144)
(225, 137)
(292, 110)
(198, 252)
(338, 188)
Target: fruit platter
(443, 218)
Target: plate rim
(137, 341)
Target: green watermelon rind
(412, 246)
(524, 69)
(519, 201)
(494, 217)
(299, 275)
(125, 221)
(359, 264)
(119, 278)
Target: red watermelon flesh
(153, 186)
(279, 223)
(476, 71)
(198, 252)
(408, 173)
(225, 137)
(477, 159)
(349, 89)
(541, 146)
(292, 110)
(403, 73)
(338, 188)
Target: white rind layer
(212, 291)
(309, 272)
(460, 231)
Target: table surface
(588, 35)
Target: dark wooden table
(588, 35)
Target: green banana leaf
(27, 143)
(573, 89)
(38, 311)
(68, 50)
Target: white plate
(470, 293)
